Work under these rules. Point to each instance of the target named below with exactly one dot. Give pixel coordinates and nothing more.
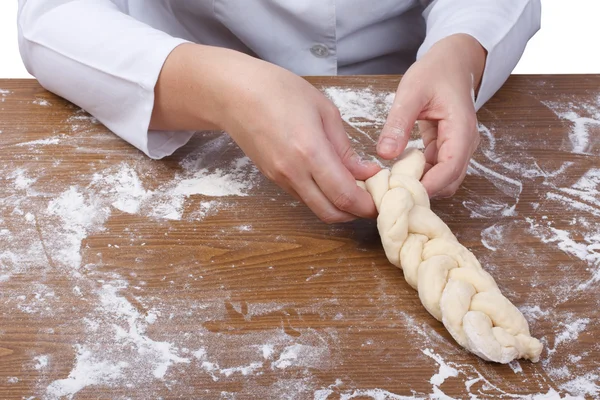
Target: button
(319, 50)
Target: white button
(319, 50)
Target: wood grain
(326, 287)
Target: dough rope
(451, 283)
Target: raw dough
(452, 285)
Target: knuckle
(280, 170)
(344, 201)
(348, 154)
(306, 151)
(332, 111)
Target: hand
(296, 137)
(438, 91)
(291, 131)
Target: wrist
(194, 89)
(467, 52)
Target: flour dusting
(40, 142)
(585, 122)
(88, 371)
(135, 337)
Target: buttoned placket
(326, 50)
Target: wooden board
(113, 284)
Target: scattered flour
(586, 385)
(42, 102)
(363, 107)
(78, 215)
(300, 355)
(88, 371)
(445, 371)
(124, 343)
(21, 180)
(571, 331)
(493, 237)
(41, 142)
(534, 312)
(585, 120)
(41, 362)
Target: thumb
(405, 110)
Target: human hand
(438, 91)
(295, 136)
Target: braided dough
(452, 285)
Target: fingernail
(387, 145)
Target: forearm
(464, 50)
(501, 27)
(191, 89)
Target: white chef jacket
(106, 55)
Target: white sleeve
(502, 27)
(96, 56)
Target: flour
(477, 385)
(88, 371)
(584, 249)
(375, 394)
(41, 362)
(122, 187)
(533, 313)
(301, 355)
(42, 102)
(584, 119)
(78, 215)
(106, 359)
(445, 371)
(127, 341)
(509, 186)
(215, 184)
(40, 142)
(3, 94)
(21, 180)
(361, 108)
(586, 385)
(161, 355)
(571, 331)
(516, 367)
(493, 237)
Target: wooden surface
(311, 310)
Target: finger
(339, 186)
(314, 198)
(452, 188)
(453, 155)
(336, 133)
(428, 131)
(405, 110)
(290, 191)
(431, 152)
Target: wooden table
(114, 284)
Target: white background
(568, 43)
